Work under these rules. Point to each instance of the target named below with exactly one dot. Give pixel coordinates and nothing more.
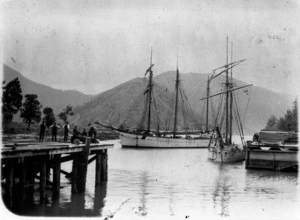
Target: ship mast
(231, 98)
(176, 97)
(228, 91)
(207, 103)
(227, 95)
(149, 92)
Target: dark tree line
(30, 109)
(11, 100)
(289, 122)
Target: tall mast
(176, 97)
(231, 99)
(149, 92)
(227, 94)
(207, 103)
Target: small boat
(221, 147)
(149, 137)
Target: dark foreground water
(179, 184)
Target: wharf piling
(27, 167)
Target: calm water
(181, 184)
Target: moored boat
(148, 141)
(221, 147)
(149, 137)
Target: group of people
(82, 135)
(66, 128)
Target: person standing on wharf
(66, 131)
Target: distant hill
(114, 106)
(256, 107)
(54, 98)
(126, 103)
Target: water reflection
(180, 184)
(99, 201)
(142, 209)
(171, 199)
(222, 191)
(263, 182)
(77, 204)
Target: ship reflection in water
(177, 183)
(221, 194)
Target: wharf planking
(24, 163)
(21, 150)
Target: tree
(64, 114)
(30, 111)
(289, 122)
(272, 123)
(294, 126)
(11, 100)
(49, 117)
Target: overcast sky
(92, 45)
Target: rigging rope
(238, 119)
(219, 110)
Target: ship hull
(230, 153)
(140, 141)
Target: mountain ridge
(111, 106)
(57, 99)
(261, 105)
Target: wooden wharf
(25, 165)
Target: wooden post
(103, 165)
(98, 170)
(247, 158)
(274, 164)
(30, 181)
(56, 176)
(43, 179)
(74, 173)
(23, 185)
(56, 183)
(48, 167)
(80, 165)
(9, 183)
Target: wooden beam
(92, 159)
(47, 181)
(68, 175)
(66, 158)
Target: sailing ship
(150, 138)
(221, 147)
